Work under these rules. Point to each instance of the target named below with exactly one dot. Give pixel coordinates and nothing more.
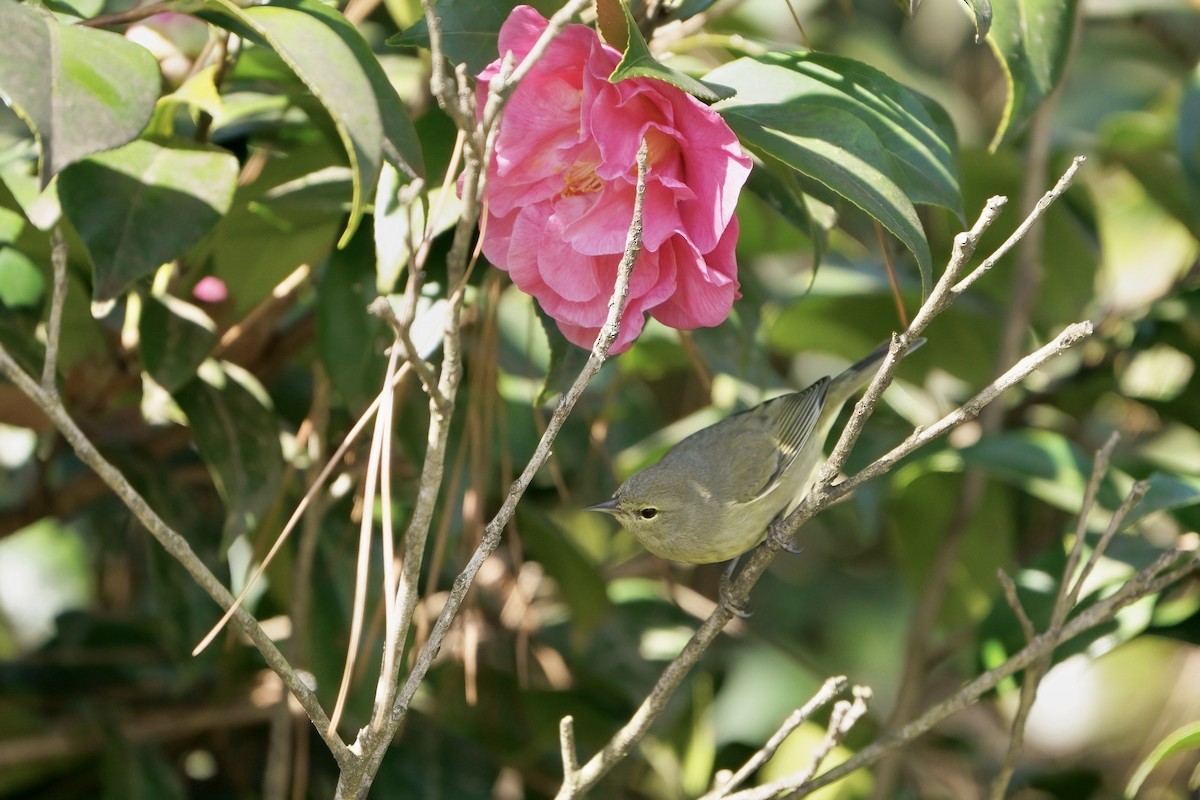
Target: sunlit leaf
(21, 282)
(637, 62)
(81, 90)
(612, 20)
(175, 339)
(852, 129)
(330, 57)
(1031, 38)
(238, 438)
(145, 204)
(1185, 738)
(1188, 138)
(470, 30)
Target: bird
(713, 496)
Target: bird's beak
(609, 506)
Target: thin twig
(1144, 583)
(566, 739)
(58, 259)
(845, 714)
(298, 512)
(830, 689)
(821, 496)
(1017, 235)
(1135, 495)
(1014, 602)
(381, 307)
(373, 741)
(177, 546)
(1064, 600)
(1068, 594)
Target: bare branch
(1017, 235)
(1068, 594)
(177, 546)
(845, 714)
(1148, 581)
(58, 260)
(823, 494)
(381, 307)
(566, 738)
(372, 742)
(1014, 602)
(830, 689)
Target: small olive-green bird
(713, 495)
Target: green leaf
(981, 16)
(566, 360)
(21, 282)
(981, 13)
(1166, 493)
(582, 586)
(145, 204)
(401, 145)
(351, 342)
(852, 129)
(637, 62)
(612, 20)
(175, 338)
(80, 90)
(781, 194)
(1188, 138)
(1032, 39)
(470, 31)
(237, 436)
(290, 216)
(330, 57)
(1185, 738)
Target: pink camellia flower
(561, 189)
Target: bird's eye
(649, 512)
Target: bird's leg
(739, 608)
(787, 543)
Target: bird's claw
(786, 543)
(739, 608)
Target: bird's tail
(860, 373)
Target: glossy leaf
(237, 436)
(850, 128)
(21, 282)
(637, 62)
(290, 216)
(470, 31)
(1166, 493)
(175, 338)
(331, 64)
(1032, 39)
(351, 343)
(612, 20)
(1188, 138)
(401, 147)
(1185, 738)
(981, 13)
(145, 204)
(80, 90)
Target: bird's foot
(740, 608)
(785, 542)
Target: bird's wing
(794, 418)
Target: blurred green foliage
(220, 408)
